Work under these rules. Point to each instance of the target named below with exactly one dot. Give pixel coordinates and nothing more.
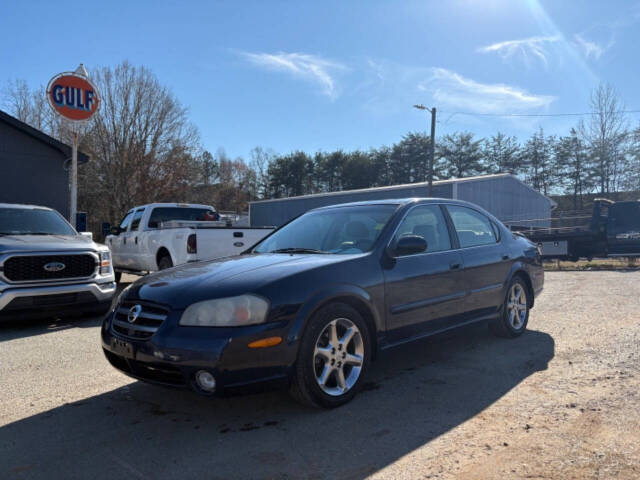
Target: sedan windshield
(33, 221)
(341, 230)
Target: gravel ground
(559, 402)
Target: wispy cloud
(525, 48)
(591, 49)
(310, 68)
(452, 90)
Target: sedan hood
(186, 284)
(36, 243)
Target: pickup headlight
(226, 312)
(105, 263)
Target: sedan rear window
(472, 227)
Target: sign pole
(75, 98)
(73, 171)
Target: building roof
(41, 136)
(478, 178)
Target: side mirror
(410, 245)
(116, 230)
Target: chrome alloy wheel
(517, 306)
(338, 357)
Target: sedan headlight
(105, 263)
(226, 312)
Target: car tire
(515, 311)
(164, 263)
(333, 358)
(118, 276)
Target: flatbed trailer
(612, 230)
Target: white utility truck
(161, 235)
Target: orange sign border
(98, 96)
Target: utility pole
(432, 145)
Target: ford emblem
(54, 267)
(134, 313)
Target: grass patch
(595, 264)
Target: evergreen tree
(460, 155)
(572, 160)
(502, 154)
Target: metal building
(504, 195)
(33, 166)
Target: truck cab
(623, 229)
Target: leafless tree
(30, 106)
(606, 134)
(141, 143)
(260, 160)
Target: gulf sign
(73, 96)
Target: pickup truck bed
(144, 246)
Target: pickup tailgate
(218, 242)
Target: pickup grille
(29, 268)
(148, 321)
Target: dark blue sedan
(311, 305)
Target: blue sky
(329, 74)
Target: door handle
(454, 266)
(136, 240)
(505, 256)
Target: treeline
(143, 149)
(600, 154)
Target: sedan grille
(28, 268)
(148, 319)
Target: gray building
(33, 166)
(504, 195)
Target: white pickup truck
(161, 235)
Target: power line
(534, 114)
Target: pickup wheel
(333, 359)
(165, 262)
(515, 311)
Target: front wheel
(515, 311)
(334, 357)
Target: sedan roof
(392, 201)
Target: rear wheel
(334, 357)
(165, 262)
(515, 311)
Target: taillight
(192, 243)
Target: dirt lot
(560, 402)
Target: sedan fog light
(205, 381)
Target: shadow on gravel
(414, 394)
(12, 329)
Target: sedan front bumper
(174, 354)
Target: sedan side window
(427, 222)
(472, 227)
